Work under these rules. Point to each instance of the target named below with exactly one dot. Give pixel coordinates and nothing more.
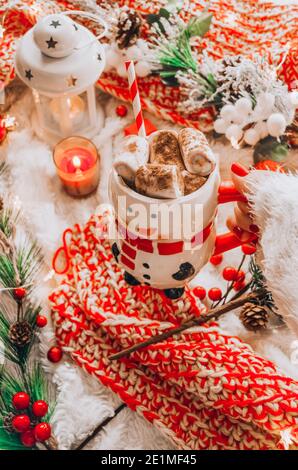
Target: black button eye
(146, 265)
(185, 270)
(115, 251)
(146, 276)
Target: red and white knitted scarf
(203, 389)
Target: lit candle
(77, 163)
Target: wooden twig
(212, 315)
(100, 427)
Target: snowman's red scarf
(203, 389)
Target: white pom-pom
(113, 58)
(243, 106)
(294, 99)
(261, 128)
(227, 112)
(265, 101)
(142, 69)
(133, 53)
(234, 133)
(121, 70)
(276, 124)
(251, 136)
(220, 126)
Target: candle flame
(76, 162)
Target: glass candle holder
(77, 162)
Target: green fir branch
(10, 441)
(8, 220)
(177, 56)
(29, 262)
(34, 383)
(23, 270)
(258, 282)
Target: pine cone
(254, 317)
(20, 333)
(128, 28)
(221, 75)
(7, 422)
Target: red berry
(200, 292)
(20, 423)
(214, 293)
(248, 249)
(3, 134)
(20, 293)
(269, 165)
(40, 408)
(21, 400)
(216, 259)
(28, 438)
(239, 285)
(240, 276)
(42, 432)
(55, 354)
(121, 110)
(41, 321)
(230, 273)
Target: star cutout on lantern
(51, 43)
(28, 74)
(98, 57)
(75, 27)
(71, 81)
(55, 24)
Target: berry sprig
(234, 276)
(29, 427)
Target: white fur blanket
(82, 403)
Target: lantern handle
(92, 17)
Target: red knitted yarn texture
(246, 27)
(203, 389)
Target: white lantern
(60, 60)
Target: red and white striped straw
(135, 98)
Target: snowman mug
(164, 260)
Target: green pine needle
(8, 219)
(32, 382)
(11, 441)
(177, 56)
(29, 261)
(258, 282)
(198, 26)
(28, 264)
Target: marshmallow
(196, 153)
(133, 154)
(192, 182)
(164, 149)
(159, 181)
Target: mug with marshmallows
(165, 190)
